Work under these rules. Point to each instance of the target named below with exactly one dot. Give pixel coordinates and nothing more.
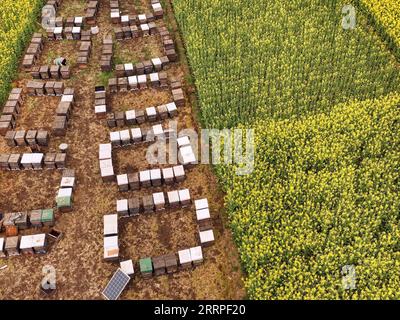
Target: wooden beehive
(60, 126)
(112, 84)
(151, 114)
(148, 204)
(185, 260)
(14, 161)
(58, 88)
(44, 72)
(173, 199)
(168, 175)
(171, 263)
(140, 116)
(146, 267)
(61, 160)
(111, 122)
(35, 72)
(12, 246)
(20, 138)
(122, 181)
(42, 138)
(133, 180)
(123, 84)
(159, 201)
(134, 206)
(35, 218)
(139, 68)
(4, 161)
(50, 161)
(145, 179)
(136, 134)
(48, 217)
(155, 176)
(65, 72)
(120, 118)
(123, 207)
(10, 138)
(159, 265)
(49, 88)
(31, 137)
(148, 66)
(206, 238)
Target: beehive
(122, 181)
(146, 267)
(35, 218)
(171, 263)
(48, 217)
(159, 201)
(148, 204)
(185, 260)
(122, 207)
(133, 180)
(159, 265)
(134, 206)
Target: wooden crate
(10, 138)
(50, 161)
(61, 160)
(134, 206)
(133, 180)
(159, 265)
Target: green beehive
(64, 204)
(48, 217)
(146, 267)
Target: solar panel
(116, 285)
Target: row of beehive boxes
(65, 195)
(168, 44)
(132, 32)
(144, 67)
(46, 72)
(150, 178)
(137, 135)
(29, 161)
(107, 51)
(165, 264)
(11, 110)
(116, 17)
(138, 117)
(33, 51)
(29, 244)
(140, 82)
(155, 202)
(33, 218)
(22, 138)
(50, 88)
(68, 33)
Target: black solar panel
(116, 285)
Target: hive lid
(203, 214)
(58, 30)
(171, 106)
(184, 194)
(122, 179)
(146, 265)
(154, 76)
(173, 196)
(114, 14)
(39, 240)
(76, 30)
(158, 129)
(105, 151)
(111, 242)
(11, 242)
(65, 192)
(156, 6)
(78, 19)
(183, 141)
(156, 61)
(158, 198)
(136, 133)
(47, 215)
(196, 253)
(115, 136)
(167, 173)
(155, 174)
(125, 18)
(201, 204)
(64, 202)
(107, 171)
(26, 242)
(127, 267)
(128, 66)
(132, 80)
(142, 78)
(125, 135)
(151, 111)
(122, 205)
(110, 224)
(107, 163)
(184, 256)
(144, 175)
(206, 236)
(67, 182)
(179, 171)
(1, 244)
(100, 109)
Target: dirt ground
(78, 257)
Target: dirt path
(81, 271)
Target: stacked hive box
(106, 164)
(27, 138)
(32, 53)
(101, 108)
(11, 110)
(91, 12)
(64, 197)
(107, 54)
(63, 112)
(123, 84)
(54, 72)
(30, 161)
(168, 44)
